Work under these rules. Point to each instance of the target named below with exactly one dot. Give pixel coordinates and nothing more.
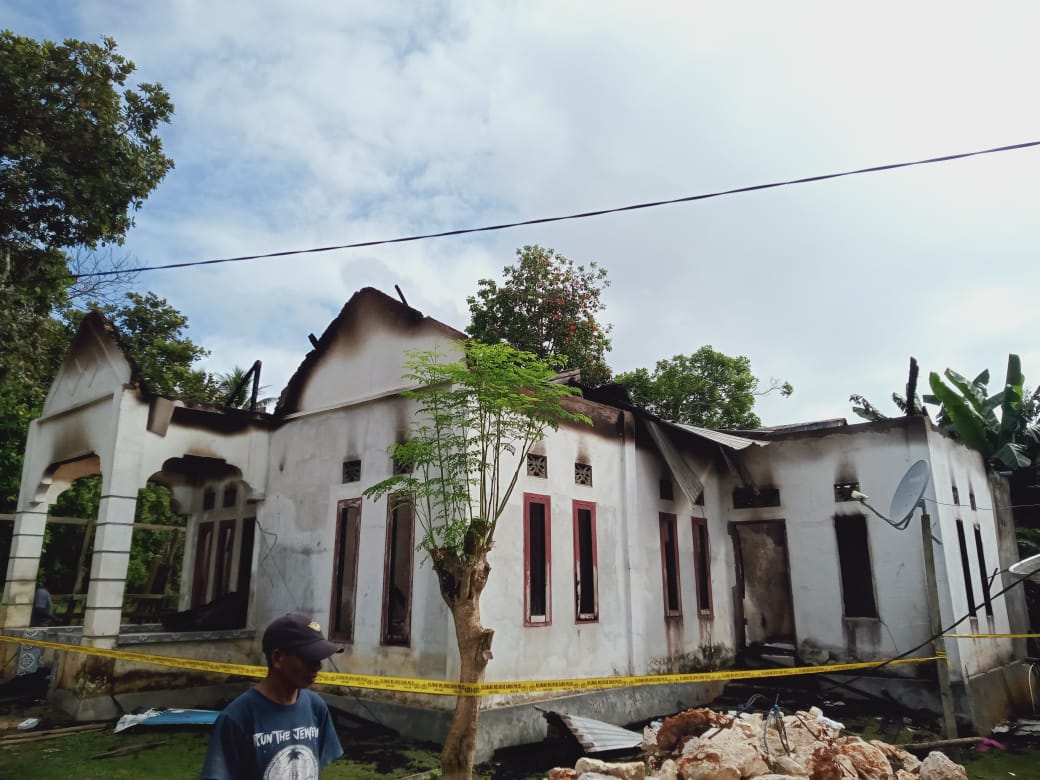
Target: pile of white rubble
(702, 744)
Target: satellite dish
(908, 494)
(1026, 567)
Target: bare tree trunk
(462, 580)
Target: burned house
(635, 546)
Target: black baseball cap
(299, 635)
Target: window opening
(209, 499)
(702, 564)
(397, 580)
(585, 564)
(351, 471)
(344, 585)
(230, 495)
(843, 491)
(537, 560)
(537, 466)
(956, 495)
(857, 581)
(969, 591)
(670, 565)
(583, 474)
(971, 500)
(225, 553)
(667, 493)
(203, 548)
(983, 571)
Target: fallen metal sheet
(595, 736)
(171, 717)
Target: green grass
(178, 753)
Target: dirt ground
(172, 753)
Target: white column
(115, 528)
(22, 567)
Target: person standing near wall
(278, 729)
(43, 606)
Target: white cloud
(327, 122)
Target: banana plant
(968, 410)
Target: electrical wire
(548, 220)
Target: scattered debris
(167, 717)
(702, 744)
(595, 736)
(28, 723)
(129, 750)
(1023, 727)
(38, 736)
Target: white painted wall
(805, 468)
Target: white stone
(937, 766)
(632, 770)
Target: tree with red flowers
(548, 305)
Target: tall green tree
(707, 388)
(79, 153)
(549, 306)
(477, 419)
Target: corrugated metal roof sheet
(595, 736)
(725, 439)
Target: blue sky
(329, 122)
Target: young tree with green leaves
(477, 418)
(547, 305)
(707, 389)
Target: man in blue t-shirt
(278, 729)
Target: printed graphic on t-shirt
(295, 762)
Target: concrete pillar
(115, 528)
(22, 567)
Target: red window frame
(702, 565)
(531, 499)
(345, 567)
(585, 573)
(670, 555)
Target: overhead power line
(580, 215)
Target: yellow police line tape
(991, 636)
(452, 688)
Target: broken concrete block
(897, 757)
(788, 766)
(562, 773)
(826, 762)
(937, 766)
(870, 763)
(702, 761)
(633, 770)
(739, 749)
(689, 723)
(669, 771)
